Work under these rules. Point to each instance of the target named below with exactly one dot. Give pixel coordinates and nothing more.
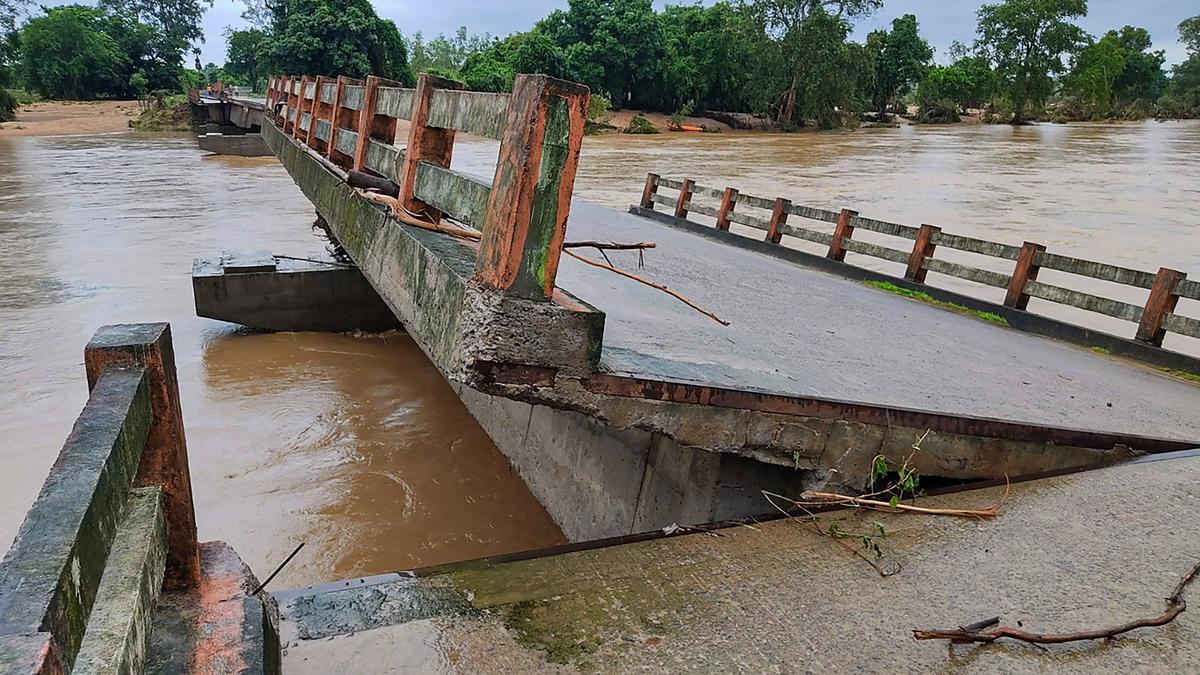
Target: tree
(1143, 78)
(335, 37)
(446, 55)
(67, 55)
(1026, 40)
(706, 56)
(178, 22)
(1095, 69)
(901, 58)
(1182, 97)
(243, 55)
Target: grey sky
(942, 21)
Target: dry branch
(651, 284)
(835, 499)
(1175, 606)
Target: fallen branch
(609, 245)
(651, 284)
(817, 528)
(1175, 606)
(833, 498)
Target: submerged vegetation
(921, 296)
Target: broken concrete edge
(117, 630)
(50, 576)
(243, 145)
(219, 627)
(459, 320)
(1018, 319)
(834, 442)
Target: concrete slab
(803, 332)
(780, 597)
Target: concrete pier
(241, 145)
(288, 294)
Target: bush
(938, 112)
(640, 125)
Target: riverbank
(70, 118)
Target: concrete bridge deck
(799, 331)
(783, 598)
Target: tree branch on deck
(1176, 605)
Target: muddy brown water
(354, 444)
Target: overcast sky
(942, 21)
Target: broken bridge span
(626, 411)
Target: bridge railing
(113, 524)
(1154, 318)
(521, 213)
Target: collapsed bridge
(625, 410)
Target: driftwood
(366, 181)
(1175, 606)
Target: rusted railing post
(1161, 302)
(293, 102)
(841, 232)
(685, 196)
(371, 125)
(427, 144)
(300, 107)
(343, 118)
(923, 248)
(728, 204)
(779, 214)
(649, 191)
(164, 461)
(270, 97)
(1025, 271)
(321, 111)
(526, 219)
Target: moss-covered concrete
(50, 576)
(117, 631)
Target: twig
(609, 245)
(827, 498)
(278, 569)
(651, 284)
(1175, 606)
(817, 528)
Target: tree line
(792, 60)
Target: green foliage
(446, 55)
(244, 56)
(1094, 71)
(1026, 40)
(68, 54)
(901, 58)
(640, 125)
(334, 37)
(1182, 97)
(1143, 78)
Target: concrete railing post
(426, 144)
(841, 232)
(728, 204)
(649, 191)
(685, 196)
(1161, 302)
(779, 215)
(293, 102)
(527, 210)
(1026, 270)
(270, 97)
(164, 460)
(923, 248)
(371, 125)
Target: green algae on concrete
(50, 576)
(920, 296)
(117, 631)
(1065, 553)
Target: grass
(1102, 350)
(921, 296)
(1183, 375)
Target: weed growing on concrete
(1182, 374)
(1102, 350)
(921, 296)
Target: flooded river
(355, 445)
